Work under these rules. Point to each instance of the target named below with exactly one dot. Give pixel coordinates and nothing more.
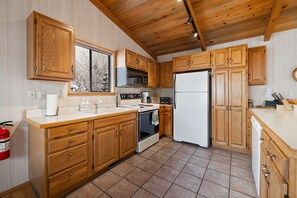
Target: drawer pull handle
(70, 174)
(70, 129)
(117, 133)
(70, 154)
(70, 141)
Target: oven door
(146, 128)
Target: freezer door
(191, 118)
(192, 82)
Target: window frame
(111, 69)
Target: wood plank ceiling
(160, 25)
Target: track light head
(190, 20)
(194, 34)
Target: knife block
(285, 107)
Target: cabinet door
(220, 108)
(219, 58)
(156, 74)
(237, 108)
(162, 123)
(277, 185)
(166, 76)
(181, 63)
(263, 178)
(200, 60)
(237, 56)
(141, 63)
(127, 138)
(150, 73)
(257, 65)
(131, 59)
(106, 147)
(168, 124)
(55, 48)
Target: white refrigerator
(192, 108)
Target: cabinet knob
(121, 133)
(70, 154)
(271, 155)
(70, 141)
(70, 129)
(117, 133)
(70, 174)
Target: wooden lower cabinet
(161, 121)
(127, 137)
(249, 133)
(166, 121)
(106, 145)
(64, 157)
(277, 175)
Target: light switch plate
(40, 95)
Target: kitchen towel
(155, 117)
(51, 105)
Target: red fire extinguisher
(4, 140)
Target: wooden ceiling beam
(192, 13)
(121, 25)
(277, 6)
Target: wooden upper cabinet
(181, 63)
(220, 58)
(237, 56)
(127, 137)
(257, 65)
(229, 57)
(166, 76)
(50, 49)
(156, 74)
(150, 72)
(200, 60)
(220, 108)
(141, 63)
(131, 59)
(237, 108)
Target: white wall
(281, 60)
(91, 25)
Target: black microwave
(131, 77)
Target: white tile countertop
(282, 123)
(38, 119)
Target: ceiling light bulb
(194, 34)
(179, 0)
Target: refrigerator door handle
(174, 98)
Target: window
(93, 69)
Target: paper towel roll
(51, 105)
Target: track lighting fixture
(190, 20)
(194, 34)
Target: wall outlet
(31, 94)
(40, 95)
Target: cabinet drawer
(66, 143)
(56, 132)
(66, 179)
(167, 109)
(279, 158)
(113, 120)
(64, 159)
(265, 140)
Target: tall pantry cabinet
(230, 98)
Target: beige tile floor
(170, 169)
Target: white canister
(51, 105)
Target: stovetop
(133, 101)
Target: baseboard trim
(11, 190)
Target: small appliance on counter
(165, 100)
(146, 97)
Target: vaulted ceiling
(159, 26)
